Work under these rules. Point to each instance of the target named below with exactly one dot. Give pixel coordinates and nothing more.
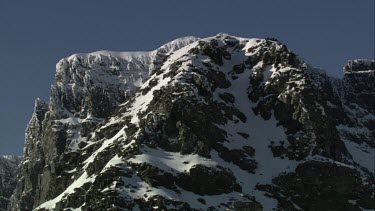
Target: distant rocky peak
(40, 108)
(359, 66)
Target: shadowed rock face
(201, 124)
(359, 76)
(8, 174)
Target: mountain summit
(201, 124)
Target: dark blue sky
(34, 35)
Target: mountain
(8, 179)
(201, 124)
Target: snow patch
(170, 161)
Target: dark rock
(244, 135)
(227, 97)
(247, 206)
(204, 180)
(240, 157)
(322, 186)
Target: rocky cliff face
(8, 180)
(201, 124)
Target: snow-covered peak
(142, 56)
(108, 77)
(177, 44)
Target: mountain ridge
(214, 123)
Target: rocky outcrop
(200, 124)
(8, 173)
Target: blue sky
(35, 35)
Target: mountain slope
(206, 124)
(8, 173)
